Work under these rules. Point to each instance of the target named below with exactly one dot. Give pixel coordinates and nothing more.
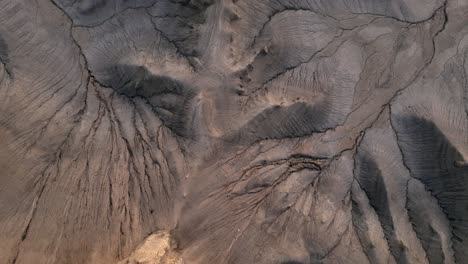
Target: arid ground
(233, 131)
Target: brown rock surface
(233, 131)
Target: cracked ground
(233, 131)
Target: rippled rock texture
(233, 131)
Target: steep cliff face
(233, 131)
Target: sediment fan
(233, 131)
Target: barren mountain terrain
(233, 131)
